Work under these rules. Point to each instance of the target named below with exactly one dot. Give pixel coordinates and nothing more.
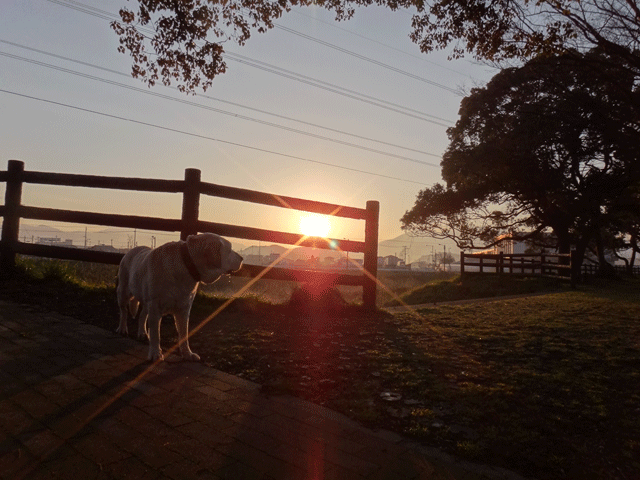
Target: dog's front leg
(182, 325)
(153, 321)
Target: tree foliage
(183, 41)
(549, 145)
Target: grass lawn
(548, 386)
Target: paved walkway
(79, 402)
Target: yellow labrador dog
(165, 280)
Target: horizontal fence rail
(557, 265)
(191, 188)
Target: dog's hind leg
(182, 325)
(122, 328)
(141, 318)
(155, 351)
(123, 302)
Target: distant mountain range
(402, 246)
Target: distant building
(507, 245)
(328, 261)
(419, 265)
(253, 259)
(104, 248)
(391, 261)
(273, 257)
(55, 241)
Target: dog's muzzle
(239, 263)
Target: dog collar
(188, 262)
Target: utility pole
(444, 258)
(404, 254)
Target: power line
(367, 59)
(217, 110)
(204, 137)
(345, 92)
(350, 32)
(280, 71)
(115, 72)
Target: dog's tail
(132, 303)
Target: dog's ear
(214, 254)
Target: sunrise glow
(314, 225)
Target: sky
(244, 131)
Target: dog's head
(212, 256)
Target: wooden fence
(593, 269)
(541, 264)
(191, 188)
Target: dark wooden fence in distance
(591, 269)
(191, 189)
(554, 265)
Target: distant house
(253, 259)
(391, 261)
(507, 245)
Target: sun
(314, 225)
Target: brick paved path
(79, 402)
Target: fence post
(542, 259)
(371, 255)
(461, 264)
(11, 221)
(500, 268)
(574, 269)
(190, 203)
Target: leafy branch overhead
(183, 41)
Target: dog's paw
(122, 330)
(143, 336)
(191, 357)
(156, 355)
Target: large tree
(183, 40)
(550, 145)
